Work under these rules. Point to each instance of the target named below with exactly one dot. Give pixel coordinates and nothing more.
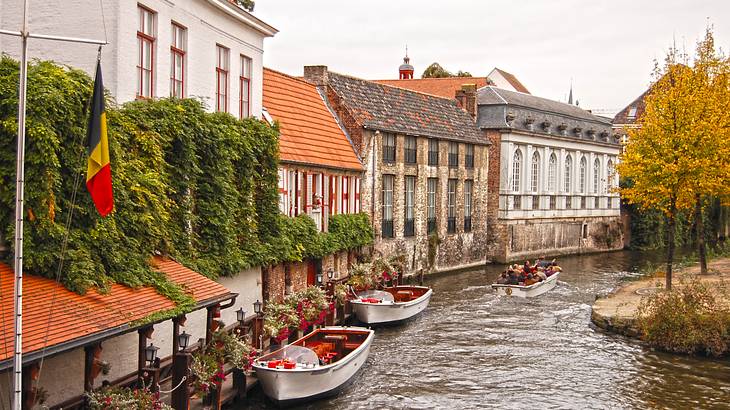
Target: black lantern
(257, 307)
(182, 340)
(150, 353)
(319, 278)
(330, 273)
(241, 315)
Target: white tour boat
(320, 364)
(536, 289)
(390, 305)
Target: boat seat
(403, 295)
(339, 343)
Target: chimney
(467, 99)
(316, 74)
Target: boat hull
(531, 291)
(290, 386)
(390, 313)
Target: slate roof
(81, 317)
(496, 96)
(310, 133)
(392, 109)
(512, 80)
(623, 116)
(442, 87)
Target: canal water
(472, 349)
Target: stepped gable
(392, 109)
(310, 133)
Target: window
(582, 202)
(433, 151)
(517, 202)
(610, 172)
(596, 176)
(389, 148)
(146, 52)
(409, 224)
(244, 98)
(451, 207)
(468, 185)
(469, 156)
(552, 172)
(431, 204)
(583, 170)
(552, 202)
(568, 173)
(221, 78)
(568, 202)
(177, 63)
(516, 168)
(387, 206)
(409, 151)
(596, 202)
(632, 113)
(535, 177)
(453, 154)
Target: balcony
(467, 224)
(387, 228)
(431, 225)
(409, 227)
(451, 224)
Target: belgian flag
(99, 171)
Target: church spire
(405, 71)
(570, 95)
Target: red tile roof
(76, 316)
(309, 132)
(442, 87)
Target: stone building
(319, 175)
(425, 182)
(208, 49)
(556, 176)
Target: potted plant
(112, 398)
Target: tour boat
(390, 305)
(318, 365)
(536, 289)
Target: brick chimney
(316, 74)
(467, 99)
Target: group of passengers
(528, 274)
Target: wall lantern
(257, 307)
(241, 315)
(150, 353)
(330, 273)
(319, 278)
(182, 340)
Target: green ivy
(200, 187)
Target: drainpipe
(372, 192)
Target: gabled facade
(425, 170)
(208, 49)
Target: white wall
(206, 23)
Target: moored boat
(529, 291)
(391, 305)
(318, 365)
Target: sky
(606, 48)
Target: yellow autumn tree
(677, 157)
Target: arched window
(597, 176)
(568, 172)
(583, 170)
(610, 172)
(534, 181)
(516, 168)
(552, 171)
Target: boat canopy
(296, 354)
(376, 294)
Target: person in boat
(503, 279)
(514, 278)
(531, 279)
(527, 268)
(541, 274)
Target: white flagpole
(19, 213)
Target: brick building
(319, 175)
(425, 169)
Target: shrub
(691, 318)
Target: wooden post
(258, 331)
(30, 375)
(181, 396)
(239, 384)
(176, 323)
(91, 367)
(211, 311)
(329, 320)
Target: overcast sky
(606, 47)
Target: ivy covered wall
(200, 187)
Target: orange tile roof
(81, 316)
(442, 87)
(309, 132)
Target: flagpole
(19, 213)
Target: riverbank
(617, 311)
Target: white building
(556, 177)
(211, 49)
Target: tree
(436, 71)
(676, 158)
